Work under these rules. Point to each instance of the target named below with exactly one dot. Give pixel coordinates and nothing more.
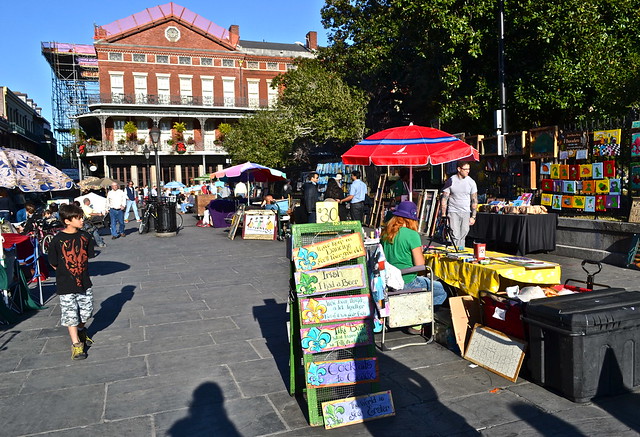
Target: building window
(206, 61)
(162, 59)
(207, 91)
(186, 93)
(140, 86)
(229, 91)
(115, 56)
(291, 67)
(272, 65)
(253, 92)
(139, 57)
(272, 95)
(117, 87)
(164, 91)
(253, 65)
(184, 60)
(228, 63)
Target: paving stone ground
(190, 340)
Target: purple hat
(407, 209)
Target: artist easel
(375, 218)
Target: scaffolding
(74, 75)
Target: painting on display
(555, 171)
(634, 177)
(602, 186)
(612, 202)
(589, 187)
(545, 199)
(567, 201)
(609, 169)
(590, 204)
(586, 171)
(564, 171)
(514, 143)
(614, 187)
(556, 202)
(598, 170)
(635, 144)
(544, 142)
(546, 185)
(558, 186)
(574, 172)
(569, 187)
(607, 142)
(545, 168)
(571, 142)
(601, 203)
(578, 202)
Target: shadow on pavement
(544, 423)
(104, 268)
(272, 318)
(207, 416)
(109, 309)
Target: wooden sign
(328, 252)
(327, 212)
(343, 412)
(331, 337)
(496, 352)
(259, 225)
(333, 309)
(322, 281)
(341, 372)
(634, 214)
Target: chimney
(235, 29)
(312, 40)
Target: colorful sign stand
(331, 337)
(328, 252)
(333, 309)
(358, 409)
(322, 281)
(341, 372)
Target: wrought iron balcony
(133, 148)
(177, 100)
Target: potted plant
(82, 149)
(131, 130)
(181, 148)
(170, 141)
(121, 141)
(191, 141)
(141, 141)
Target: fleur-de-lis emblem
(305, 260)
(316, 340)
(306, 284)
(315, 374)
(314, 311)
(331, 414)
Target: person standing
(130, 191)
(310, 196)
(356, 196)
(116, 203)
(69, 254)
(459, 202)
(240, 190)
(287, 189)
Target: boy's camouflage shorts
(76, 308)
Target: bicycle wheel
(144, 225)
(178, 221)
(44, 244)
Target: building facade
(23, 127)
(168, 65)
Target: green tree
(420, 60)
(316, 109)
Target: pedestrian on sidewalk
(69, 254)
(459, 203)
(131, 193)
(116, 202)
(356, 197)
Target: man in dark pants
(357, 194)
(310, 196)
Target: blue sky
(25, 24)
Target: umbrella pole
(411, 184)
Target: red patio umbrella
(409, 146)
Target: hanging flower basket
(82, 149)
(181, 148)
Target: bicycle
(151, 211)
(44, 232)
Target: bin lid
(582, 311)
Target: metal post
(501, 78)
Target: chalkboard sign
(331, 337)
(324, 281)
(341, 372)
(328, 252)
(348, 411)
(333, 309)
(235, 222)
(259, 225)
(496, 352)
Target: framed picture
(490, 146)
(259, 225)
(573, 141)
(543, 142)
(427, 210)
(514, 143)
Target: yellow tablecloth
(471, 278)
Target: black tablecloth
(529, 233)
(220, 209)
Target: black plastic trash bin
(166, 217)
(585, 345)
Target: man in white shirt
(459, 202)
(116, 203)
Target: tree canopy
(420, 60)
(316, 110)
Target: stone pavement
(190, 340)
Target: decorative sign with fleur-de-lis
(322, 281)
(358, 409)
(333, 309)
(331, 337)
(328, 252)
(342, 372)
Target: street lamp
(147, 154)
(154, 134)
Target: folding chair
(410, 307)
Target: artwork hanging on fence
(607, 142)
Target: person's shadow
(109, 309)
(207, 416)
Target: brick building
(168, 65)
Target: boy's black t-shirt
(70, 254)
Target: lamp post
(147, 154)
(154, 134)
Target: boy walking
(69, 254)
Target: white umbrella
(30, 173)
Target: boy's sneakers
(77, 351)
(84, 337)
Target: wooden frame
(543, 142)
(427, 210)
(235, 222)
(515, 143)
(260, 224)
(496, 352)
